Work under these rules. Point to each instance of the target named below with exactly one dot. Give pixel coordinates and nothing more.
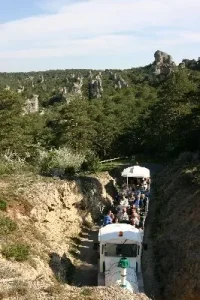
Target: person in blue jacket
(108, 218)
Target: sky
(95, 34)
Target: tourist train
(121, 244)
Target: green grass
(3, 205)
(18, 252)
(140, 158)
(7, 225)
(108, 166)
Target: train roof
(120, 233)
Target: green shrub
(11, 162)
(7, 225)
(60, 162)
(3, 205)
(19, 252)
(91, 163)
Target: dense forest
(94, 115)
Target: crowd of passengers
(130, 204)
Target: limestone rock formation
(182, 65)
(77, 85)
(163, 63)
(63, 90)
(42, 78)
(191, 63)
(120, 82)
(95, 86)
(20, 89)
(32, 105)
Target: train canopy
(137, 172)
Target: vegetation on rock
(7, 225)
(18, 252)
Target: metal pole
(123, 277)
(147, 206)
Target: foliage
(153, 115)
(61, 160)
(18, 252)
(7, 225)
(11, 162)
(91, 162)
(3, 205)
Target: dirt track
(86, 274)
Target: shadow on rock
(62, 267)
(111, 189)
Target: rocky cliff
(176, 230)
(44, 216)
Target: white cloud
(101, 27)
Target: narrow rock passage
(86, 274)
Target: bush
(3, 205)
(60, 162)
(91, 163)
(7, 225)
(11, 162)
(19, 252)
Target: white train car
(120, 247)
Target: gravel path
(86, 274)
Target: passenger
(116, 220)
(144, 184)
(124, 201)
(108, 219)
(135, 222)
(142, 197)
(137, 202)
(132, 199)
(134, 214)
(123, 216)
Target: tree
(74, 127)
(11, 131)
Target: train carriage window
(127, 250)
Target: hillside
(149, 109)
